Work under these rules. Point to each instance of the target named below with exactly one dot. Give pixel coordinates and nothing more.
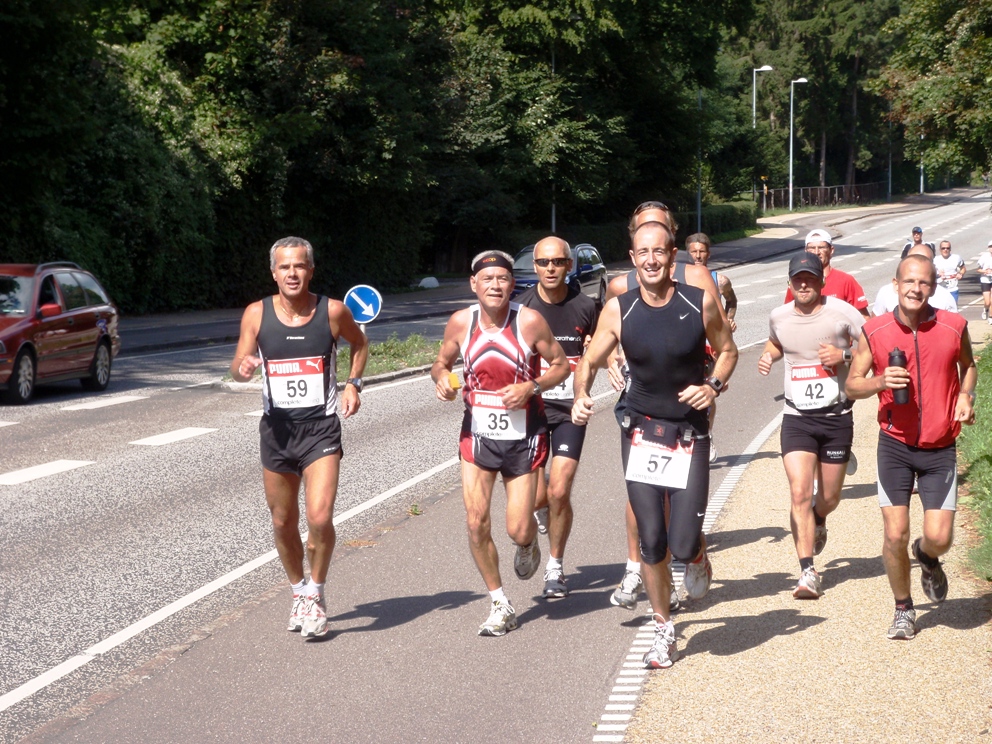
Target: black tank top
(666, 352)
(299, 382)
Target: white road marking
(24, 475)
(172, 436)
(767, 296)
(104, 402)
(9, 423)
(745, 302)
(259, 413)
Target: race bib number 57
(296, 383)
(656, 464)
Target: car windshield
(524, 260)
(15, 294)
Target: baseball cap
(990, 242)
(918, 230)
(808, 262)
(817, 235)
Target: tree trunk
(823, 157)
(851, 144)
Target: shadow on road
(734, 635)
(964, 613)
(390, 613)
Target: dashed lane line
(628, 687)
(104, 402)
(16, 477)
(173, 436)
(9, 423)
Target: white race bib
(564, 390)
(296, 383)
(814, 387)
(493, 420)
(656, 464)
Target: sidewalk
(760, 666)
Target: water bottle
(897, 358)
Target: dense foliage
(166, 143)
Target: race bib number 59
(493, 420)
(656, 464)
(296, 383)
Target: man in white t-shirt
(887, 299)
(985, 279)
(950, 268)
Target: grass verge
(975, 446)
(392, 355)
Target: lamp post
(754, 92)
(792, 95)
(921, 163)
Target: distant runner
(293, 336)
(815, 335)
(985, 281)
(663, 327)
(504, 430)
(915, 240)
(888, 298)
(572, 318)
(950, 269)
(916, 438)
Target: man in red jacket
(916, 437)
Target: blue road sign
(364, 301)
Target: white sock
(313, 587)
(634, 566)
(298, 588)
(498, 595)
(554, 563)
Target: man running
(684, 271)
(915, 240)
(887, 298)
(815, 335)
(571, 316)
(663, 327)
(950, 269)
(985, 281)
(917, 435)
(504, 430)
(293, 336)
(836, 283)
(698, 246)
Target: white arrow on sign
(366, 309)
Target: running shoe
(627, 591)
(314, 617)
(808, 586)
(934, 580)
(985, 313)
(712, 451)
(527, 560)
(852, 464)
(296, 614)
(903, 626)
(990, 321)
(819, 538)
(502, 619)
(698, 576)
(663, 652)
(554, 584)
(541, 515)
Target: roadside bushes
(975, 446)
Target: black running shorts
(290, 446)
(567, 439)
(828, 437)
(936, 471)
(510, 457)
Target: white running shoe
(985, 314)
(698, 576)
(627, 591)
(296, 615)
(502, 619)
(663, 652)
(819, 538)
(527, 560)
(712, 451)
(852, 465)
(808, 586)
(541, 515)
(314, 617)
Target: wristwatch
(715, 383)
(356, 381)
(537, 387)
(848, 356)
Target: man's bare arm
(246, 359)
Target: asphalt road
(91, 551)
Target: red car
(56, 323)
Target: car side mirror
(49, 310)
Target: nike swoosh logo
(701, 514)
(683, 317)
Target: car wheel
(20, 387)
(99, 376)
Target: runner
(293, 336)
(815, 335)
(950, 269)
(887, 298)
(985, 281)
(917, 437)
(504, 430)
(685, 271)
(663, 327)
(571, 316)
(916, 239)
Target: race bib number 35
(564, 390)
(493, 420)
(296, 383)
(814, 387)
(656, 464)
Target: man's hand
(765, 362)
(516, 396)
(350, 402)
(582, 410)
(617, 379)
(964, 410)
(830, 355)
(443, 389)
(249, 363)
(895, 378)
(698, 396)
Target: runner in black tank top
(665, 447)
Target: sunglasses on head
(644, 206)
(543, 262)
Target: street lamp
(754, 92)
(792, 95)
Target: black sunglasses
(543, 262)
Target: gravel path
(759, 666)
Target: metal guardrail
(824, 196)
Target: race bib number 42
(493, 420)
(814, 387)
(656, 464)
(296, 383)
